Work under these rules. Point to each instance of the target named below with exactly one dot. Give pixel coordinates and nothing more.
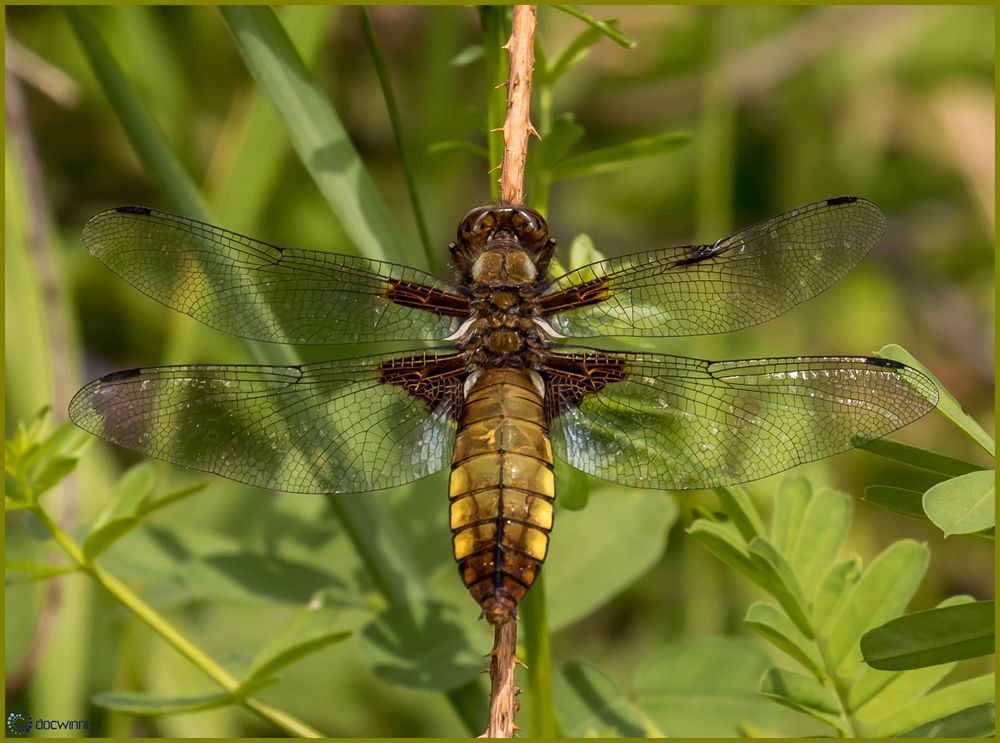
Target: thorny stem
(517, 126)
(516, 130)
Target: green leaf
(131, 489)
(607, 28)
(972, 722)
(558, 141)
(724, 541)
(51, 472)
(106, 535)
(821, 535)
(737, 504)
(152, 705)
(803, 693)
(964, 504)
(794, 494)
(876, 694)
(314, 129)
(618, 156)
(880, 594)
(901, 500)
(706, 688)
(919, 458)
(579, 581)
(574, 53)
(582, 252)
(936, 705)
(775, 576)
(251, 578)
(170, 498)
(926, 638)
(467, 55)
(775, 627)
(947, 404)
(309, 631)
(450, 146)
(589, 704)
(425, 645)
(27, 571)
(833, 591)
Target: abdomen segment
(501, 490)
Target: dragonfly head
(505, 244)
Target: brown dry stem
(517, 125)
(503, 705)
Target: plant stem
(164, 629)
(538, 658)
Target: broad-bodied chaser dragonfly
(501, 395)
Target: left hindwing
(676, 423)
(343, 426)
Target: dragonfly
(503, 391)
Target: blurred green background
(785, 105)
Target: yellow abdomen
(501, 490)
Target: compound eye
(477, 225)
(530, 225)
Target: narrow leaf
(901, 500)
(107, 535)
(926, 638)
(949, 407)
(723, 541)
(936, 705)
(608, 28)
(973, 722)
(775, 576)
(51, 473)
(794, 494)
(919, 458)
(880, 594)
(589, 704)
(737, 503)
(618, 156)
(26, 571)
(307, 632)
(170, 498)
(821, 535)
(780, 631)
(152, 705)
(833, 591)
(964, 504)
(803, 693)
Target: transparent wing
(256, 290)
(745, 279)
(670, 422)
(335, 427)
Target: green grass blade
(145, 135)
(538, 658)
(314, 130)
(252, 145)
(397, 132)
